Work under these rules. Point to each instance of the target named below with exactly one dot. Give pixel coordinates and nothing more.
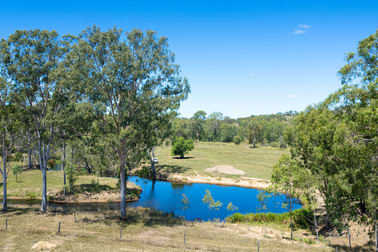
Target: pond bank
(245, 182)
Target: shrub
(71, 175)
(182, 146)
(237, 139)
(302, 218)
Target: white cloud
(304, 26)
(292, 96)
(302, 29)
(299, 32)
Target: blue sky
(241, 57)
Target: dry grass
(146, 230)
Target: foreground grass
(255, 162)
(145, 230)
(29, 183)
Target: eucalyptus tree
(198, 123)
(131, 81)
(32, 57)
(7, 123)
(336, 141)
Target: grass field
(255, 162)
(29, 183)
(146, 230)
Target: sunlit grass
(255, 162)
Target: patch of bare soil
(95, 193)
(241, 182)
(226, 169)
(44, 246)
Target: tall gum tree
(32, 57)
(132, 82)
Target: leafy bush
(237, 139)
(71, 175)
(17, 169)
(302, 218)
(182, 146)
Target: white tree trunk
(63, 166)
(123, 187)
(4, 172)
(153, 169)
(43, 157)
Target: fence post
(349, 238)
(184, 239)
(58, 228)
(120, 233)
(6, 224)
(258, 245)
(337, 249)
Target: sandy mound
(44, 245)
(226, 169)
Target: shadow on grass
(168, 169)
(145, 216)
(105, 213)
(92, 188)
(183, 157)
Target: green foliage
(231, 207)
(210, 202)
(16, 169)
(72, 175)
(302, 218)
(336, 142)
(237, 139)
(182, 146)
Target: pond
(167, 197)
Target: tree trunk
(5, 202)
(123, 187)
(376, 236)
(43, 157)
(63, 166)
(30, 161)
(291, 216)
(316, 226)
(30, 152)
(153, 164)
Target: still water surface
(167, 196)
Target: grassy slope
(145, 231)
(30, 183)
(255, 162)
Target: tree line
(104, 98)
(261, 129)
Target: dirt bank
(241, 182)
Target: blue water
(167, 196)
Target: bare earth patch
(226, 169)
(44, 246)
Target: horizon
(228, 52)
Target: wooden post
(58, 228)
(120, 233)
(75, 212)
(184, 239)
(349, 238)
(6, 224)
(258, 246)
